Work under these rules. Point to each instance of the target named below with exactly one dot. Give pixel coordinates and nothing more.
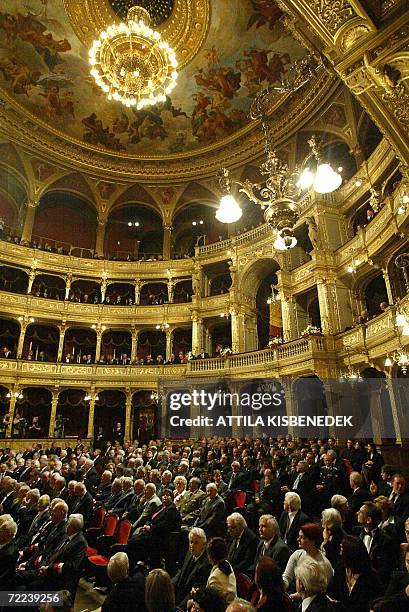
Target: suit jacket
(290, 535)
(238, 481)
(321, 603)
(306, 490)
(277, 550)
(366, 588)
(102, 493)
(211, 516)
(149, 509)
(83, 506)
(124, 502)
(193, 574)
(165, 520)
(382, 553)
(8, 559)
(358, 497)
(191, 505)
(125, 593)
(64, 563)
(91, 479)
(241, 557)
(401, 507)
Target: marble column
(128, 414)
(91, 415)
(54, 403)
(197, 333)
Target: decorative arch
(75, 183)
(254, 272)
(67, 218)
(123, 241)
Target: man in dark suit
(237, 481)
(104, 489)
(359, 493)
(400, 498)
(271, 544)
(381, 547)
(195, 569)
(60, 566)
(8, 554)
(304, 484)
(125, 500)
(241, 544)
(211, 512)
(292, 519)
(83, 503)
(89, 475)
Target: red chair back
(239, 499)
(122, 531)
(243, 584)
(98, 518)
(255, 486)
(111, 522)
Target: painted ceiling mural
(45, 68)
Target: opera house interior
(204, 202)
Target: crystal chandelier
(131, 63)
(277, 195)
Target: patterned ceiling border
(288, 114)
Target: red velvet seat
(243, 583)
(120, 537)
(111, 522)
(239, 499)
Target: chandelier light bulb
(229, 210)
(404, 360)
(405, 330)
(306, 179)
(326, 179)
(400, 320)
(350, 269)
(405, 199)
(388, 362)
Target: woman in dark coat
(354, 584)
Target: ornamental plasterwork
(334, 13)
(245, 145)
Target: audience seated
(171, 494)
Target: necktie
(296, 482)
(264, 549)
(393, 498)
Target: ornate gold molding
(19, 126)
(185, 30)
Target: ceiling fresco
(44, 67)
